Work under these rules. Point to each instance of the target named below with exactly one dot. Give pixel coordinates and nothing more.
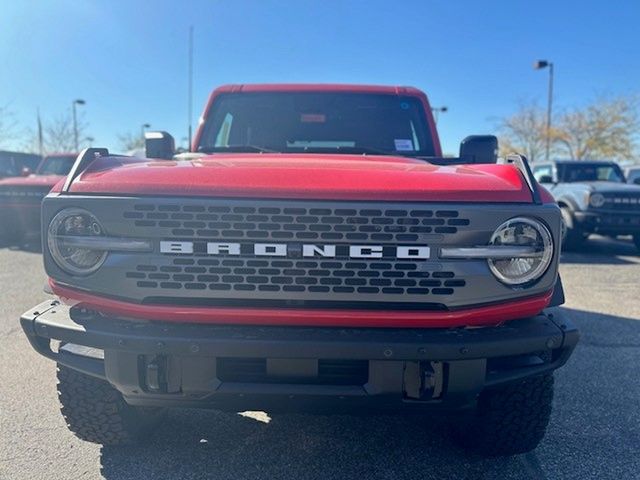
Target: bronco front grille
(294, 277)
(623, 201)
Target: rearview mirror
(159, 145)
(479, 149)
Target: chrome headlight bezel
(545, 255)
(55, 242)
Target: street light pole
(437, 110)
(539, 65)
(75, 121)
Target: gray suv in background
(594, 198)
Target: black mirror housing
(479, 149)
(159, 145)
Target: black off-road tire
(636, 240)
(572, 237)
(96, 412)
(509, 420)
(9, 235)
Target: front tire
(96, 412)
(636, 240)
(572, 236)
(509, 420)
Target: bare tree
(7, 124)
(524, 132)
(58, 135)
(605, 129)
(131, 141)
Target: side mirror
(25, 172)
(545, 179)
(479, 149)
(159, 145)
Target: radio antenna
(190, 87)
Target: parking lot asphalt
(594, 431)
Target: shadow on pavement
(200, 444)
(603, 251)
(29, 246)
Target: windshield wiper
(236, 149)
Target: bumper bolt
(160, 344)
(121, 342)
(464, 350)
(550, 343)
(422, 351)
(194, 348)
(388, 352)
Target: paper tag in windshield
(403, 145)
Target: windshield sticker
(313, 118)
(403, 145)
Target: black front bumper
(293, 368)
(609, 222)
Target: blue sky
(128, 59)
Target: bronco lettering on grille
(412, 252)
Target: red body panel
(347, 177)
(478, 316)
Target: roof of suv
(318, 87)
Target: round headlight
(522, 232)
(62, 239)
(596, 200)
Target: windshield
(317, 122)
(59, 165)
(590, 172)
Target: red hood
(347, 177)
(32, 181)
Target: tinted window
(56, 165)
(310, 122)
(590, 172)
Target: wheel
(509, 420)
(636, 240)
(10, 234)
(572, 236)
(96, 412)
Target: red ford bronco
(315, 251)
(20, 198)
